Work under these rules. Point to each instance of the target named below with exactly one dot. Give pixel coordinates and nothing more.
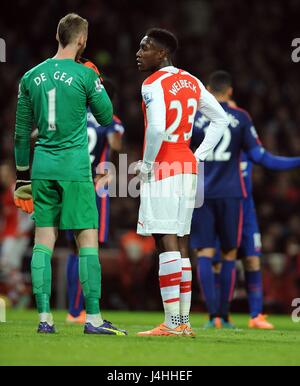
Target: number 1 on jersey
(51, 110)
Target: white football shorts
(167, 205)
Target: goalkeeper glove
(23, 191)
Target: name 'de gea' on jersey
(58, 75)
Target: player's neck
(65, 53)
(221, 98)
(165, 63)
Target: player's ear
(230, 91)
(208, 88)
(163, 54)
(57, 37)
(80, 40)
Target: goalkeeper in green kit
(54, 96)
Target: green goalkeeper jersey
(54, 96)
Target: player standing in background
(54, 95)
(102, 140)
(224, 166)
(168, 170)
(250, 248)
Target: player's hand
(23, 192)
(143, 170)
(99, 177)
(197, 156)
(102, 181)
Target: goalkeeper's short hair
(69, 27)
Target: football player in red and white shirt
(168, 170)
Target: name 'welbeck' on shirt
(180, 84)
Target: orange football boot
(187, 331)
(261, 323)
(162, 330)
(218, 323)
(77, 319)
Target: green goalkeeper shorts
(64, 204)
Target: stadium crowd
(250, 40)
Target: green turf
(21, 345)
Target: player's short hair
(165, 38)
(69, 27)
(220, 81)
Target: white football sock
(170, 272)
(185, 292)
(46, 317)
(95, 320)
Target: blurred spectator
(127, 274)
(137, 263)
(279, 283)
(14, 237)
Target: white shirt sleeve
(153, 97)
(211, 108)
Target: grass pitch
(21, 345)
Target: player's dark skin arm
(151, 57)
(116, 144)
(115, 141)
